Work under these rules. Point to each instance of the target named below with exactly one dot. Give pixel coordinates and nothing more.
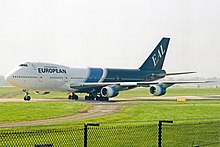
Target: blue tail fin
(156, 58)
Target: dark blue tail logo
(156, 58)
(158, 55)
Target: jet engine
(109, 91)
(42, 92)
(157, 90)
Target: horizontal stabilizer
(179, 73)
(171, 74)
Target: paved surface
(98, 108)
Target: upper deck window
(23, 65)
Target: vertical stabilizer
(156, 59)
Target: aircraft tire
(106, 99)
(73, 97)
(27, 98)
(92, 98)
(89, 98)
(76, 97)
(69, 97)
(102, 99)
(86, 97)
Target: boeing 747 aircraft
(98, 83)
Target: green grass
(186, 130)
(26, 111)
(132, 111)
(144, 92)
(8, 90)
(192, 91)
(189, 134)
(160, 110)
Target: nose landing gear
(26, 97)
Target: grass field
(8, 90)
(183, 114)
(16, 112)
(162, 110)
(132, 111)
(143, 92)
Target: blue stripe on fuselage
(95, 74)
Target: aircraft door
(39, 75)
(65, 77)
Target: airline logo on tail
(157, 56)
(156, 59)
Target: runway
(115, 99)
(98, 108)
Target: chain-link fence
(44, 138)
(187, 133)
(138, 134)
(202, 134)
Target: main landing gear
(97, 98)
(102, 98)
(73, 96)
(26, 97)
(90, 97)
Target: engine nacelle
(109, 91)
(157, 90)
(42, 92)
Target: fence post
(86, 131)
(160, 131)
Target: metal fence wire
(45, 138)
(138, 134)
(130, 135)
(203, 134)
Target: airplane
(99, 83)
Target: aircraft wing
(170, 83)
(165, 84)
(112, 89)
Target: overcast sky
(111, 33)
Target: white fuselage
(46, 77)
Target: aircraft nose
(10, 76)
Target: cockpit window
(23, 65)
